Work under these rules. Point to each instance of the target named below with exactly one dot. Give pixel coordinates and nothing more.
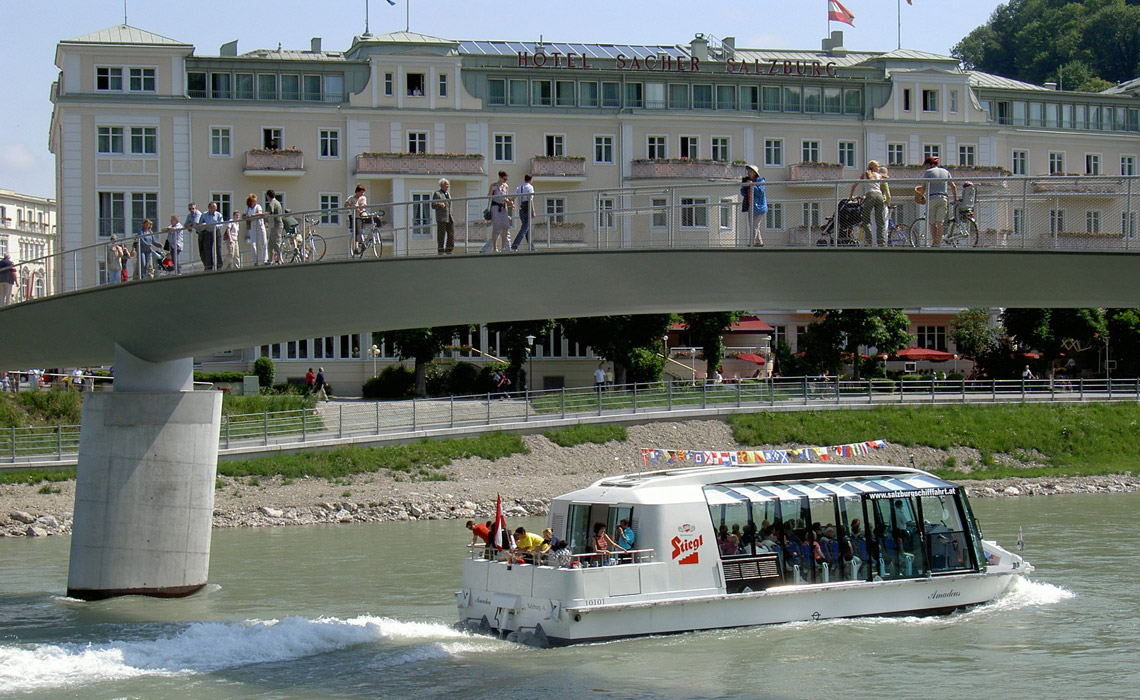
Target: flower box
(267, 160)
(685, 169)
(420, 164)
(814, 172)
(547, 166)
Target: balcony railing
(543, 166)
(680, 169)
(275, 162)
(420, 164)
(810, 172)
(1078, 184)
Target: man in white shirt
(524, 202)
(599, 378)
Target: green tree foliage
(265, 370)
(614, 338)
(972, 332)
(1049, 330)
(421, 345)
(840, 334)
(1124, 336)
(1082, 45)
(706, 330)
(393, 382)
(513, 346)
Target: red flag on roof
(836, 12)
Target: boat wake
(204, 647)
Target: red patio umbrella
(751, 357)
(928, 354)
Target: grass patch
(259, 403)
(580, 434)
(1071, 439)
(415, 460)
(35, 476)
(39, 408)
(48, 488)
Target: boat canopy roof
(873, 487)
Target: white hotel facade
(142, 125)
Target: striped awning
(876, 487)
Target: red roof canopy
(751, 357)
(928, 354)
(746, 324)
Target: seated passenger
(625, 535)
(730, 546)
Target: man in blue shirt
(625, 535)
(210, 237)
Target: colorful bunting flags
(654, 457)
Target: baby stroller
(850, 212)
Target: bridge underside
(180, 317)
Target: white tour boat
(732, 546)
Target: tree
(1050, 331)
(972, 332)
(841, 332)
(613, 338)
(706, 330)
(513, 345)
(265, 370)
(421, 345)
(1124, 334)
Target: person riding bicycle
(357, 217)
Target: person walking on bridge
(320, 384)
(7, 280)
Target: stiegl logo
(687, 548)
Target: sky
(27, 54)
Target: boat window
(896, 550)
(733, 529)
(946, 536)
(850, 534)
(582, 516)
(578, 528)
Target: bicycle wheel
(972, 234)
(377, 244)
(917, 232)
(956, 235)
(315, 248)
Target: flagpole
(407, 15)
(898, 15)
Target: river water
(366, 611)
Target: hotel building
(28, 236)
(142, 125)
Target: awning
(872, 487)
(751, 357)
(928, 354)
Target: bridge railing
(376, 421)
(1061, 213)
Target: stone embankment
(467, 488)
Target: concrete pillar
(144, 492)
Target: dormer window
(108, 78)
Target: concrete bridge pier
(144, 492)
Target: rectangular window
(726, 97)
(225, 203)
(1020, 162)
(813, 100)
(678, 96)
(417, 142)
(144, 140)
(142, 80)
(694, 212)
(541, 93)
(896, 154)
(810, 214)
(1128, 223)
(906, 99)
(504, 148)
(555, 145)
(1081, 122)
(832, 101)
(604, 149)
(1127, 165)
(953, 101)
(660, 217)
(329, 143)
(847, 156)
(606, 212)
(774, 219)
(517, 97)
(1056, 163)
(1036, 114)
(271, 138)
(330, 203)
(220, 86)
(556, 209)
(312, 88)
(634, 95)
(588, 94)
(655, 95)
(690, 147)
(1067, 116)
(932, 337)
(773, 152)
(334, 88)
(720, 149)
(1092, 222)
(929, 100)
(703, 96)
(389, 85)
(727, 206)
(196, 84)
(496, 92)
(1056, 221)
(809, 151)
(770, 98)
(290, 87)
(966, 156)
(611, 95)
(1052, 115)
(852, 101)
(1092, 164)
(243, 86)
(421, 214)
(655, 148)
(108, 78)
(1094, 116)
(110, 140)
(1004, 113)
(443, 84)
(564, 93)
(750, 97)
(112, 213)
(144, 205)
(1019, 221)
(931, 150)
(415, 85)
(793, 99)
(266, 86)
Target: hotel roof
(126, 35)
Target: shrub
(483, 383)
(437, 380)
(265, 370)
(579, 434)
(393, 382)
(644, 366)
(216, 377)
(463, 379)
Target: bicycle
(302, 243)
(367, 237)
(898, 235)
(960, 229)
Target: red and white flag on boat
(836, 12)
(500, 536)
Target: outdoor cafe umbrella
(928, 354)
(751, 357)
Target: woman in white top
(501, 206)
(256, 228)
(874, 202)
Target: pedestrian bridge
(181, 316)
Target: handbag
(919, 195)
(487, 214)
(123, 275)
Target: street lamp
(530, 361)
(374, 351)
